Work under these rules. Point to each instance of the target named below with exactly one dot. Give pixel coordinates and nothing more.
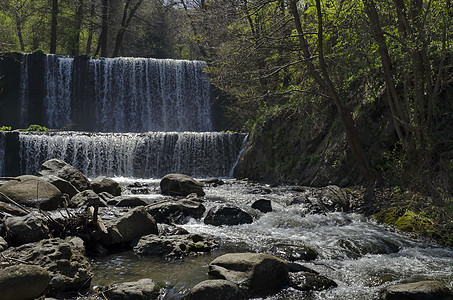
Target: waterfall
(145, 155)
(58, 87)
(150, 95)
(115, 94)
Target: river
(360, 255)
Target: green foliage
(36, 128)
(5, 128)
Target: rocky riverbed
(179, 238)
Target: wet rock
(138, 188)
(295, 267)
(129, 201)
(106, 196)
(64, 170)
(173, 246)
(258, 274)
(300, 199)
(33, 191)
(333, 198)
(358, 248)
(262, 205)
(3, 244)
(28, 229)
(23, 282)
(177, 212)
(166, 229)
(307, 281)
(423, 290)
(63, 185)
(213, 181)
(132, 225)
(293, 253)
(227, 215)
(104, 184)
(215, 289)
(87, 198)
(64, 260)
(145, 289)
(180, 185)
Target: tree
(128, 13)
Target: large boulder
(177, 212)
(127, 201)
(64, 260)
(132, 225)
(33, 191)
(143, 289)
(423, 290)
(308, 281)
(63, 185)
(227, 215)
(64, 170)
(180, 185)
(263, 205)
(293, 252)
(174, 245)
(23, 282)
(257, 274)
(27, 229)
(215, 290)
(87, 198)
(104, 184)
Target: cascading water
(140, 94)
(118, 94)
(147, 155)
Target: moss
(409, 221)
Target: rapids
(361, 256)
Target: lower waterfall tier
(144, 155)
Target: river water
(361, 256)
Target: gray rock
(177, 212)
(307, 281)
(215, 290)
(180, 185)
(33, 191)
(174, 245)
(64, 170)
(263, 205)
(423, 290)
(23, 282)
(28, 229)
(86, 198)
(63, 185)
(132, 225)
(293, 253)
(65, 261)
(332, 198)
(145, 289)
(103, 184)
(227, 215)
(129, 201)
(3, 244)
(257, 274)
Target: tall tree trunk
(53, 30)
(90, 28)
(103, 38)
(329, 90)
(78, 27)
(19, 32)
(126, 20)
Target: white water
(145, 155)
(138, 94)
(122, 94)
(361, 256)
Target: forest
(321, 69)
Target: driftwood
(7, 199)
(9, 178)
(157, 203)
(93, 211)
(11, 210)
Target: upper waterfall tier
(146, 155)
(114, 94)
